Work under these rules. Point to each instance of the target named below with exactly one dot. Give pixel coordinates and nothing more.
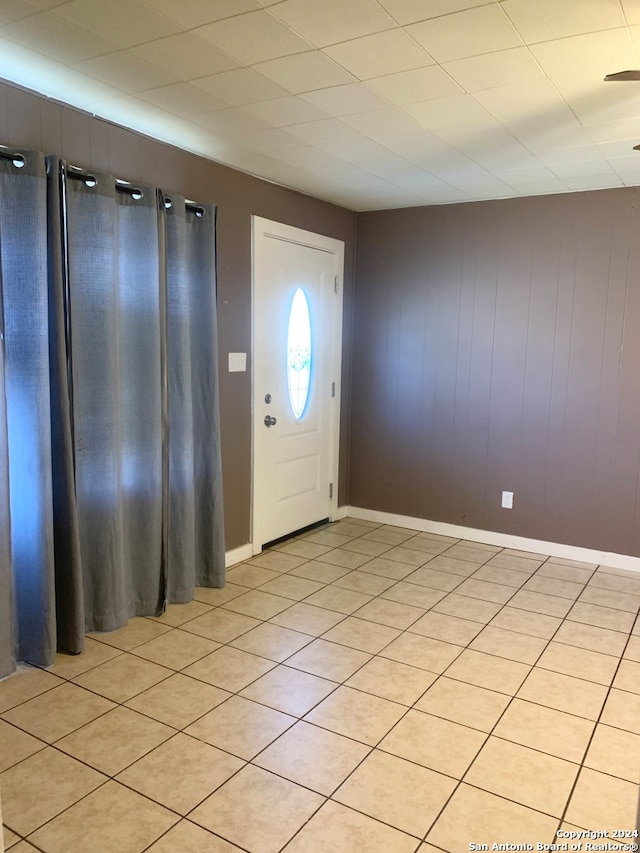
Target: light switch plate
(237, 362)
(507, 500)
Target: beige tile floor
(360, 688)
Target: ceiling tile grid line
(370, 103)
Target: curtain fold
(7, 655)
(117, 410)
(195, 512)
(70, 621)
(110, 472)
(23, 268)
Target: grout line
(373, 656)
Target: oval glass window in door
(299, 353)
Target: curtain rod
(17, 158)
(125, 187)
(90, 180)
(193, 206)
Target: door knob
(269, 421)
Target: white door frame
(260, 225)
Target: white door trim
(288, 233)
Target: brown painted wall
(497, 346)
(33, 122)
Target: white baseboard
(237, 555)
(340, 513)
(503, 540)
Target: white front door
(297, 337)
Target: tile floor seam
(66, 809)
(370, 817)
(373, 656)
(588, 746)
(370, 750)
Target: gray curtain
(68, 567)
(27, 601)
(7, 659)
(110, 475)
(114, 307)
(195, 511)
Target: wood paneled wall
(497, 347)
(38, 123)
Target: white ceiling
(367, 103)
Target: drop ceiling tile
(552, 185)
(254, 37)
(284, 111)
(383, 163)
(398, 132)
(459, 116)
(513, 102)
(418, 181)
(345, 100)
(256, 163)
(621, 148)
(13, 10)
(485, 194)
(446, 196)
(369, 201)
(420, 84)
(548, 19)
(378, 187)
(326, 131)
(581, 169)
(333, 21)
(571, 157)
(475, 31)
(50, 78)
(433, 154)
(489, 70)
(124, 22)
(305, 72)
(271, 140)
(401, 173)
(627, 167)
(130, 111)
(240, 86)
(631, 10)
(50, 35)
(612, 131)
(411, 11)
(321, 163)
(380, 54)
(232, 123)
(182, 99)
(196, 13)
(450, 165)
(593, 182)
(528, 174)
(187, 56)
(594, 102)
(595, 54)
(635, 37)
(501, 150)
(126, 72)
(553, 129)
(473, 178)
